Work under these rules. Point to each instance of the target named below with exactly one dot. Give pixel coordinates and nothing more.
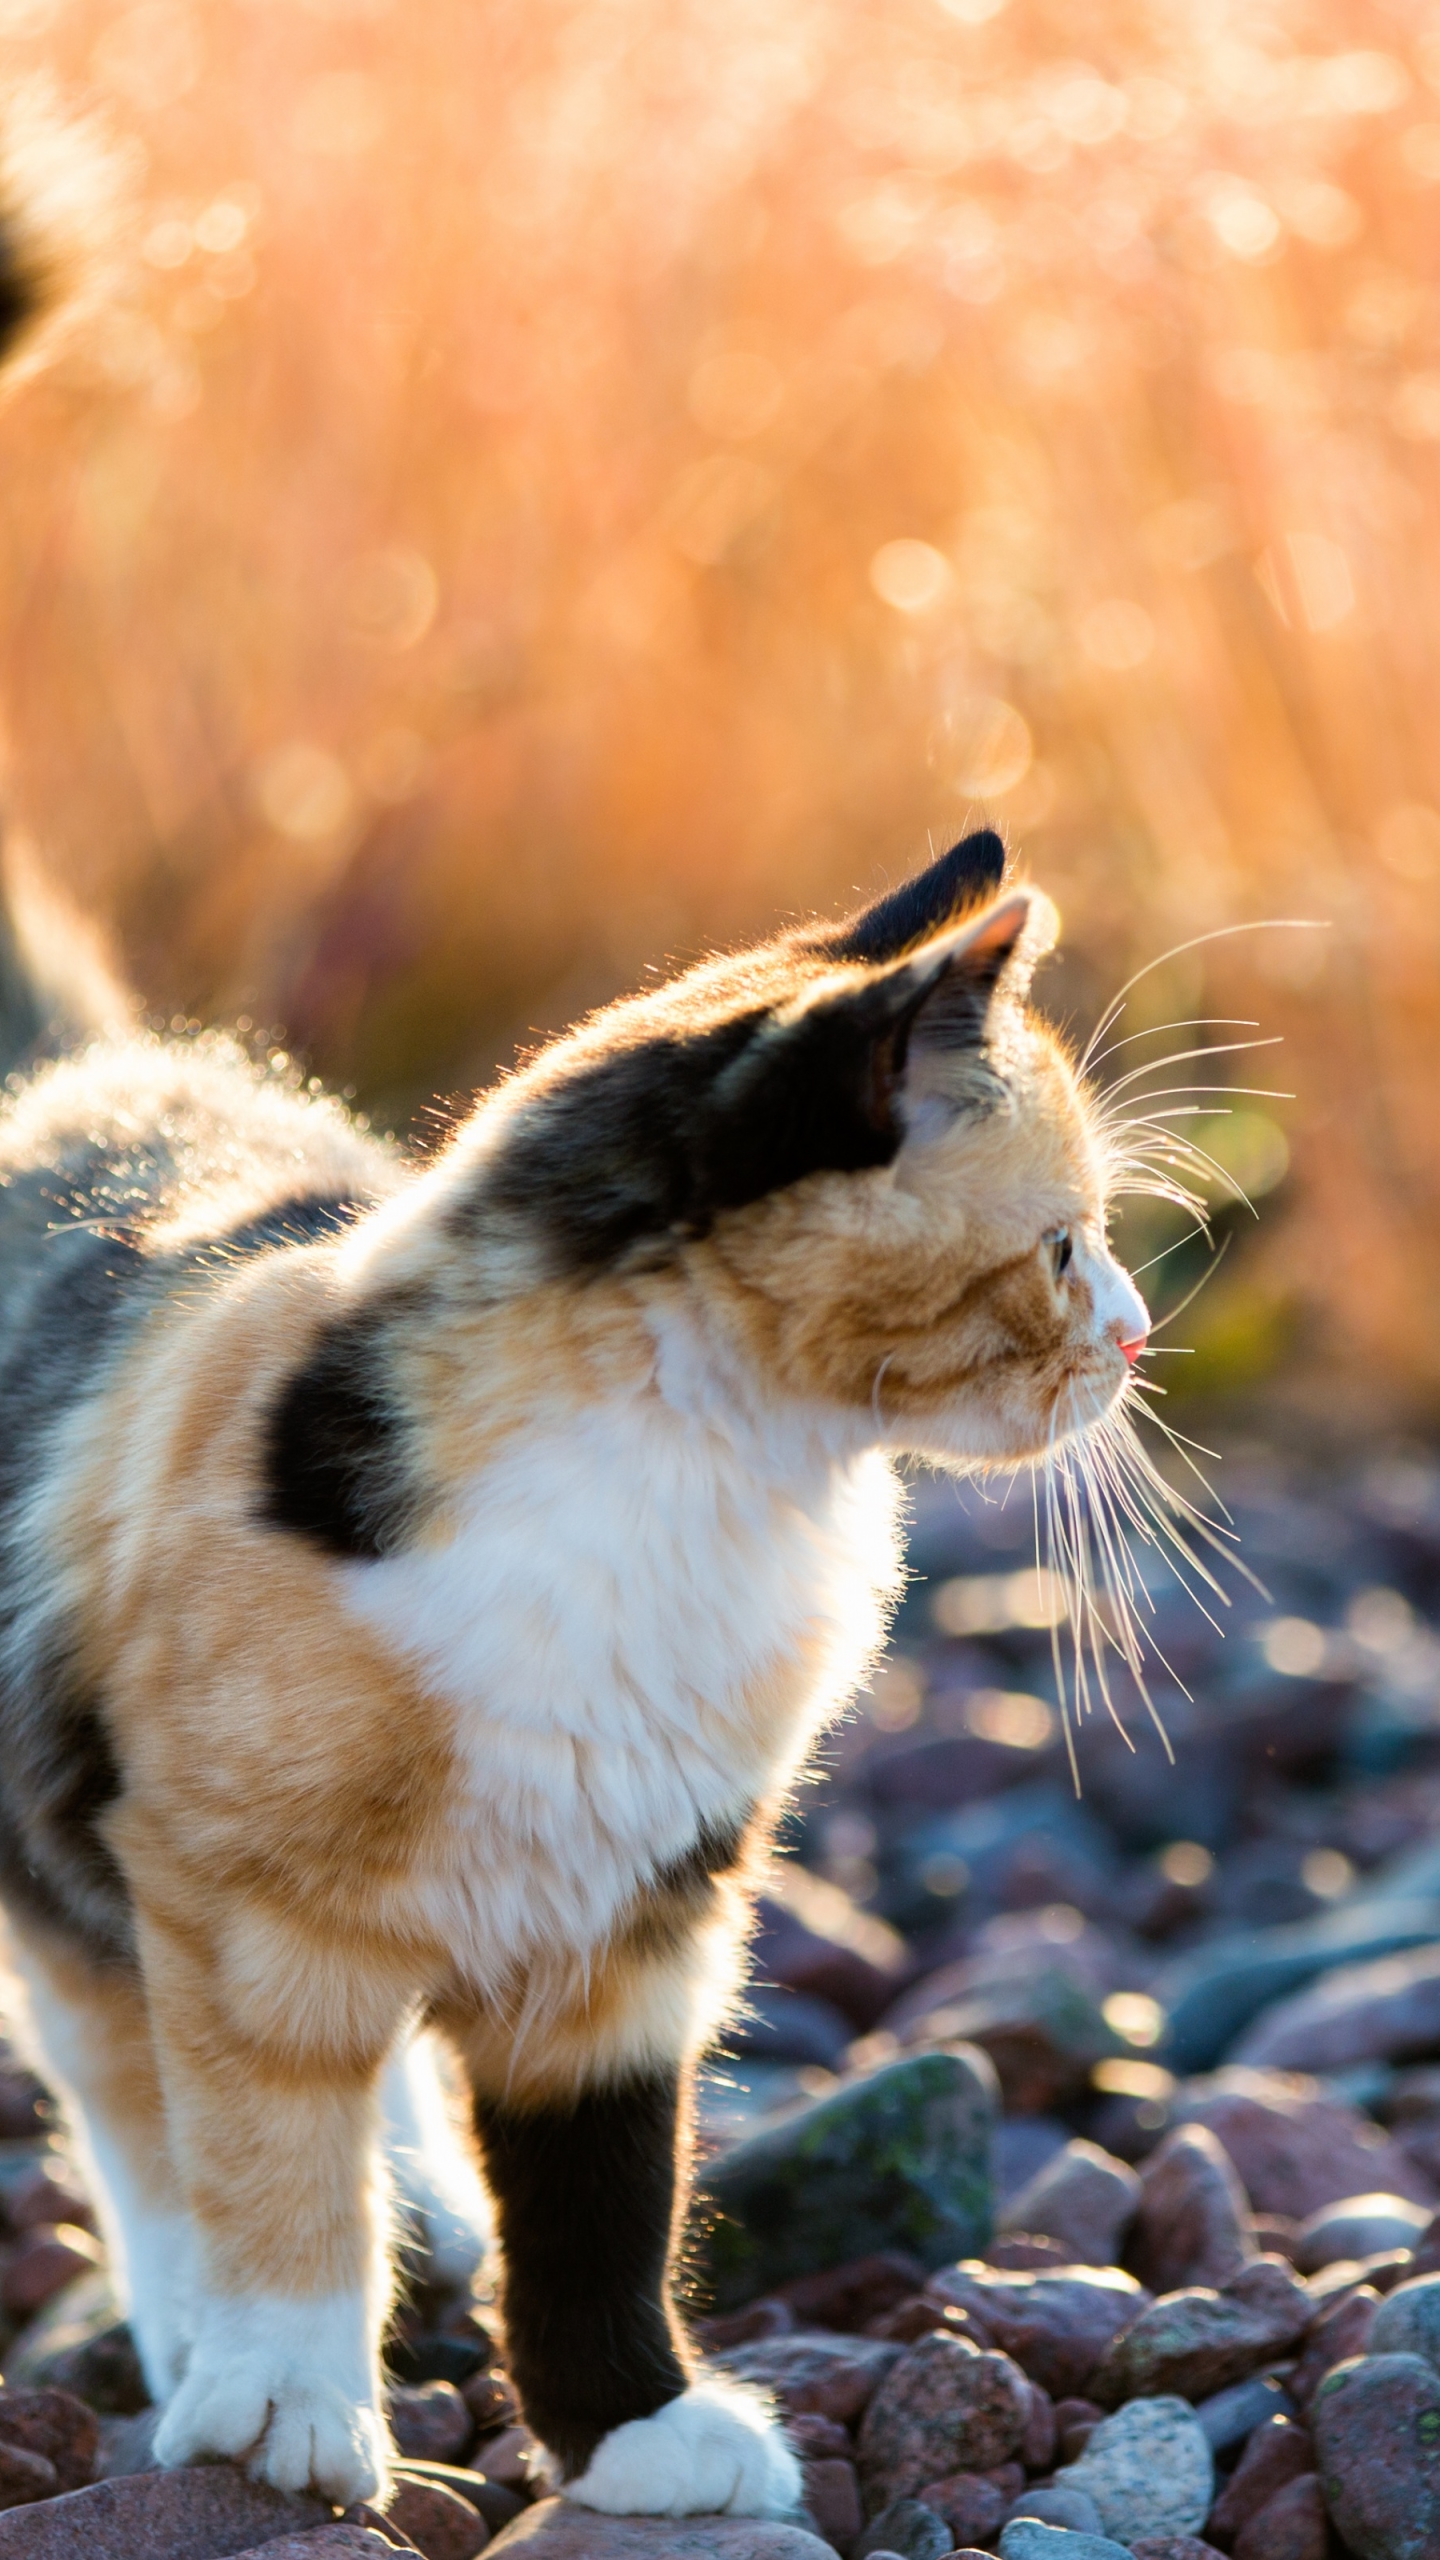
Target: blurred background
(549, 488)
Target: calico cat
(421, 1584)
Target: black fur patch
(653, 1143)
(585, 2196)
(21, 296)
(334, 1467)
(965, 877)
(738, 1082)
(57, 1770)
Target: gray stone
(1231, 2417)
(1211, 1995)
(1408, 2321)
(1055, 2504)
(199, 2514)
(1026, 2540)
(1083, 2197)
(558, 2530)
(900, 2160)
(334, 2542)
(905, 2527)
(1359, 2227)
(1386, 2010)
(1148, 2469)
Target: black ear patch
(963, 878)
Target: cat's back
(128, 1171)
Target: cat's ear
(821, 1086)
(966, 877)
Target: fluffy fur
(420, 1585)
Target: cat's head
(863, 1153)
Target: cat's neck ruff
(638, 1613)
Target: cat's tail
(57, 984)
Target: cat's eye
(1062, 1251)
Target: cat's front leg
(270, 2088)
(585, 2185)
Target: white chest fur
(637, 1624)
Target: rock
(1192, 2223)
(557, 2530)
(813, 1938)
(198, 2514)
(916, 2532)
(946, 2406)
(440, 2524)
(815, 2372)
(1407, 2323)
(25, 2108)
(47, 2259)
(1291, 2526)
(1232, 2416)
(817, 2438)
(1211, 1996)
(971, 2505)
(1359, 2227)
(1075, 2423)
(25, 2476)
(508, 2458)
(1023, 2251)
(789, 2026)
(1057, 2327)
(1376, 2424)
(1199, 2342)
(57, 2427)
(1020, 2150)
(832, 2498)
(1339, 2332)
(331, 2542)
(496, 2504)
(1024, 2540)
(900, 2159)
(851, 2295)
(47, 2193)
(1277, 2453)
(1294, 2150)
(1036, 2448)
(1042, 2031)
(1387, 2010)
(1058, 2505)
(1172, 2546)
(81, 2344)
(1148, 2469)
(429, 2420)
(1083, 2197)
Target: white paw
(288, 2383)
(714, 2451)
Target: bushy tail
(57, 202)
(57, 984)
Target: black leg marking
(586, 2200)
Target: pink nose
(1132, 1350)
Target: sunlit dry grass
(563, 484)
